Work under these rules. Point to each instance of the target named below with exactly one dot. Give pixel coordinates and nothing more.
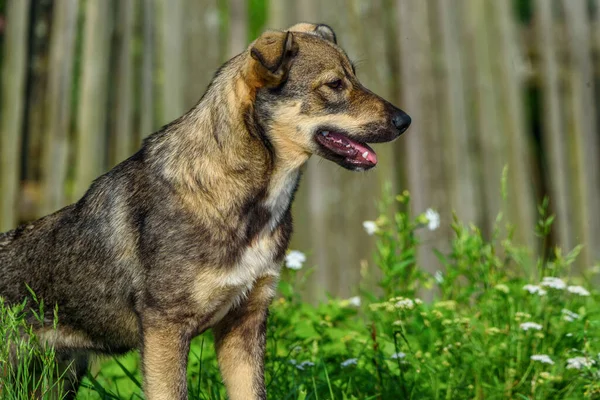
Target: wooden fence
(487, 85)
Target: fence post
(556, 168)
(58, 104)
(91, 115)
(13, 98)
(582, 131)
(123, 92)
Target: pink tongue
(355, 151)
(362, 149)
(371, 156)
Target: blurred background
(488, 83)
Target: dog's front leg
(164, 357)
(240, 343)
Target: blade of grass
(328, 381)
(315, 388)
(128, 373)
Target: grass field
(503, 325)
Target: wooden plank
(284, 13)
(202, 47)
(147, 97)
(582, 132)
(423, 153)
(58, 104)
(91, 116)
(238, 26)
(414, 63)
(123, 100)
(457, 136)
(171, 16)
(490, 147)
(34, 122)
(554, 140)
(521, 200)
(13, 97)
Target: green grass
(36, 370)
(475, 340)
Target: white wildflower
(433, 219)
(543, 358)
(405, 304)
(530, 325)
(533, 289)
(304, 364)
(439, 277)
(569, 315)
(579, 362)
(578, 290)
(398, 355)
(554, 283)
(295, 259)
(370, 227)
(354, 301)
(349, 362)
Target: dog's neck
(220, 149)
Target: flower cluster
(535, 289)
(551, 282)
(579, 363)
(349, 362)
(301, 366)
(569, 315)
(530, 325)
(295, 259)
(543, 358)
(354, 301)
(397, 303)
(578, 290)
(433, 219)
(370, 227)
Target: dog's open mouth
(354, 153)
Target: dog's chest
(261, 257)
(280, 196)
(259, 260)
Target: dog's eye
(336, 84)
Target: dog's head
(310, 101)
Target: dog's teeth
(325, 133)
(347, 145)
(365, 154)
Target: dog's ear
(272, 53)
(321, 30)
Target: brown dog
(190, 232)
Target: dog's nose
(401, 121)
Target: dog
(190, 232)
